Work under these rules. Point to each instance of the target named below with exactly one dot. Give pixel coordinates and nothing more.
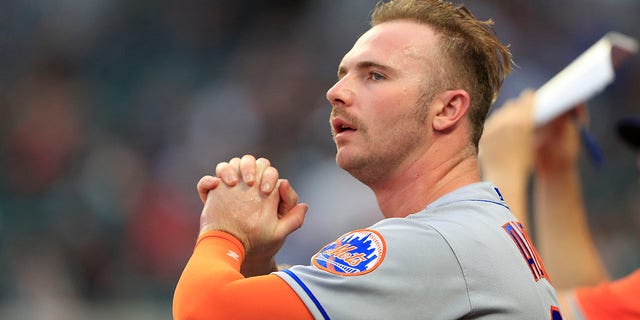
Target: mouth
(341, 126)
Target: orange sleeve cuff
(212, 287)
(222, 240)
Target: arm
(506, 152)
(563, 235)
(212, 287)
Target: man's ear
(452, 106)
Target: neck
(425, 180)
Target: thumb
(288, 197)
(292, 220)
(206, 184)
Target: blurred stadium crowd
(111, 110)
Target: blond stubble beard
(371, 167)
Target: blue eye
(376, 76)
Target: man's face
(379, 116)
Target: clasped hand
(253, 205)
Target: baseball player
(407, 115)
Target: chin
(352, 165)
(340, 161)
(343, 159)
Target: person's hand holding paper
(585, 77)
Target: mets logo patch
(355, 253)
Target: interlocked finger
(248, 169)
(228, 171)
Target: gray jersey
(464, 256)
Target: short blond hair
(477, 60)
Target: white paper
(583, 78)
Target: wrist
(252, 266)
(556, 169)
(207, 229)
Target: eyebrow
(342, 70)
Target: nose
(340, 94)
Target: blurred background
(111, 110)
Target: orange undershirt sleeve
(619, 299)
(212, 287)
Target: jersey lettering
(528, 251)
